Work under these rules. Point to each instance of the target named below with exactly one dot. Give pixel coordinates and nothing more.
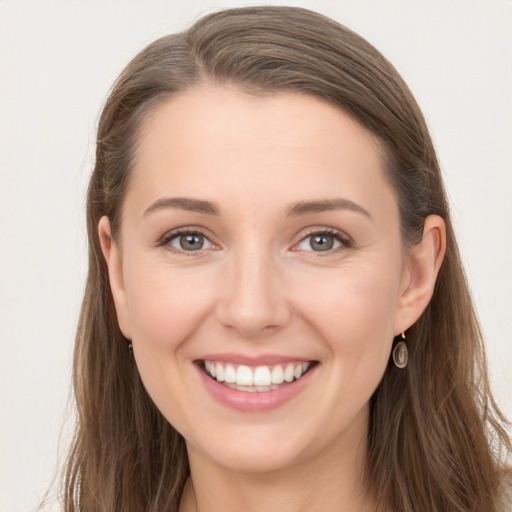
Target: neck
(330, 481)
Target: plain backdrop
(57, 62)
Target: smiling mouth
(255, 379)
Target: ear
(423, 264)
(115, 274)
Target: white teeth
(244, 376)
(219, 372)
(251, 389)
(266, 388)
(229, 374)
(261, 378)
(289, 373)
(277, 374)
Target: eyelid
(165, 239)
(344, 239)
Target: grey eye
(189, 242)
(321, 242)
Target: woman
(276, 314)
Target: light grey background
(57, 62)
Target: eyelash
(345, 241)
(170, 236)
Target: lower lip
(257, 401)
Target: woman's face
(260, 242)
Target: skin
(258, 287)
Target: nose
(252, 296)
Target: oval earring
(400, 353)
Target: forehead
(223, 142)
(206, 112)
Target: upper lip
(253, 360)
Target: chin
(258, 461)
(258, 453)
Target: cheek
(354, 311)
(164, 305)
(165, 309)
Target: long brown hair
(435, 432)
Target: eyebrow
(325, 205)
(184, 203)
(295, 210)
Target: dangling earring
(130, 348)
(400, 353)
